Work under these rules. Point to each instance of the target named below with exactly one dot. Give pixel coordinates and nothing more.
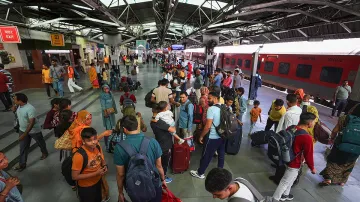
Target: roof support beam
(7, 14)
(169, 14)
(152, 29)
(345, 27)
(194, 12)
(70, 19)
(132, 11)
(275, 36)
(266, 37)
(312, 2)
(302, 32)
(195, 40)
(277, 10)
(228, 41)
(47, 22)
(103, 9)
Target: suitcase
(261, 137)
(232, 145)
(180, 158)
(322, 133)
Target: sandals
(325, 183)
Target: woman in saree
(108, 110)
(339, 163)
(93, 76)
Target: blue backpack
(140, 173)
(350, 141)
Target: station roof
(178, 21)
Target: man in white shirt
(220, 184)
(292, 115)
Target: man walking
(71, 75)
(214, 142)
(199, 81)
(237, 79)
(134, 143)
(57, 74)
(302, 145)
(29, 129)
(98, 72)
(340, 98)
(186, 116)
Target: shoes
(168, 180)
(194, 173)
(106, 200)
(289, 197)
(6, 110)
(44, 156)
(20, 168)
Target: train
(317, 67)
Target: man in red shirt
(302, 144)
(4, 92)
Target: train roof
(326, 47)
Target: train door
(355, 92)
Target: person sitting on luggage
(219, 182)
(302, 145)
(122, 160)
(89, 179)
(167, 116)
(277, 110)
(127, 102)
(8, 184)
(255, 113)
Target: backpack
(128, 102)
(280, 148)
(66, 166)
(147, 99)
(257, 195)
(130, 81)
(140, 173)
(228, 125)
(350, 141)
(198, 114)
(258, 81)
(115, 138)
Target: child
(89, 180)
(242, 102)
(167, 116)
(228, 103)
(255, 113)
(104, 76)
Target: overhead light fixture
(83, 7)
(121, 28)
(57, 51)
(77, 32)
(101, 37)
(5, 2)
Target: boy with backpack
(138, 165)
(88, 167)
(127, 102)
(302, 145)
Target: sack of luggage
(232, 145)
(228, 126)
(180, 158)
(280, 148)
(261, 137)
(130, 81)
(350, 141)
(140, 173)
(322, 133)
(168, 196)
(147, 99)
(257, 195)
(198, 114)
(66, 166)
(64, 142)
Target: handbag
(322, 133)
(109, 110)
(168, 196)
(64, 142)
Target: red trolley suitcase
(180, 158)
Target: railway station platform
(43, 181)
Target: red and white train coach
(317, 67)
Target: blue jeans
(209, 149)
(254, 93)
(58, 86)
(339, 106)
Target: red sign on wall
(9, 34)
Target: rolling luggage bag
(232, 145)
(322, 133)
(261, 137)
(180, 158)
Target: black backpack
(198, 114)
(228, 123)
(67, 165)
(147, 99)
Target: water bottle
(285, 154)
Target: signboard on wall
(141, 43)
(57, 40)
(9, 34)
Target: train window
(303, 71)
(331, 74)
(269, 66)
(239, 62)
(227, 61)
(284, 68)
(247, 63)
(233, 61)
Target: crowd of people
(184, 112)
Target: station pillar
(255, 62)
(210, 41)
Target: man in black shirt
(163, 135)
